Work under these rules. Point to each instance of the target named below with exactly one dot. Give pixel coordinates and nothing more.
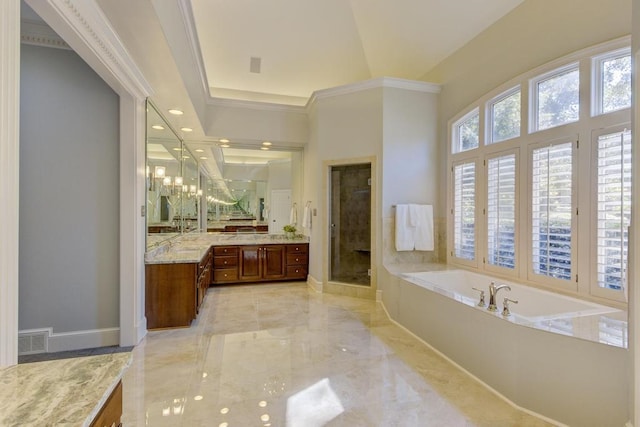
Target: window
(557, 98)
(613, 156)
(551, 212)
(612, 80)
(505, 117)
(501, 211)
(467, 132)
(464, 207)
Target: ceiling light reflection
(176, 112)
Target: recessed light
(203, 158)
(225, 145)
(199, 150)
(176, 112)
(224, 140)
(186, 157)
(264, 148)
(177, 149)
(267, 143)
(157, 127)
(186, 129)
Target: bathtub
(534, 305)
(557, 357)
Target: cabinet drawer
(225, 250)
(225, 261)
(296, 271)
(225, 275)
(297, 249)
(296, 259)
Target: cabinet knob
(297, 271)
(297, 259)
(225, 262)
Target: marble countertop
(67, 392)
(192, 247)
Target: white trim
(314, 284)
(9, 178)
(478, 380)
(40, 34)
(255, 105)
(194, 42)
(78, 340)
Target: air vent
(32, 342)
(254, 65)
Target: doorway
(350, 224)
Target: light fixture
(166, 180)
(185, 188)
(185, 129)
(177, 149)
(159, 171)
(224, 140)
(176, 112)
(178, 180)
(186, 157)
(266, 143)
(157, 127)
(225, 145)
(192, 189)
(203, 158)
(264, 148)
(199, 150)
(199, 192)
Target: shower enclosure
(350, 222)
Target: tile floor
(282, 355)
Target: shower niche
(350, 224)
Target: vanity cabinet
(111, 412)
(174, 292)
(265, 262)
(260, 263)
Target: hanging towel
(423, 234)
(404, 231)
(306, 217)
(293, 215)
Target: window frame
(517, 228)
(455, 141)
(597, 88)
(534, 125)
(490, 115)
(572, 284)
(452, 253)
(594, 288)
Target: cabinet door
(250, 263)
(274, 262)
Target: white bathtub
(534, 305)
(556, 356)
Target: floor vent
(32, 342)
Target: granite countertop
(192, 247)
(67, 392)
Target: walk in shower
(350, 222)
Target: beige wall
(534, 33)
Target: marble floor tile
(282, 355)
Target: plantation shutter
(464, 210)
(501, 211)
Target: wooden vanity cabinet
(111, 412)
(205, 278)
(260, 263)
(264, 262)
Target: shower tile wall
(351, 240)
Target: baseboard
(485, 385)
(78, 340)
(314, 284)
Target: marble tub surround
(191, 247)
(66, 392)
(280, 354)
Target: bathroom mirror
(165, 183)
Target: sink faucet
(493, 292)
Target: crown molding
(88, 31)
(194, 42)
(255, 105)
(40, 34)
(379, 82)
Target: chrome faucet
(493, 292)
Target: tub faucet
(493, 292)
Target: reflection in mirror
(165, 179)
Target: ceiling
(307, 45)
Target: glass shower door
(350, 222)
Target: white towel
(306, 217)
(423, 234)
(404, 231)
(293, 215)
